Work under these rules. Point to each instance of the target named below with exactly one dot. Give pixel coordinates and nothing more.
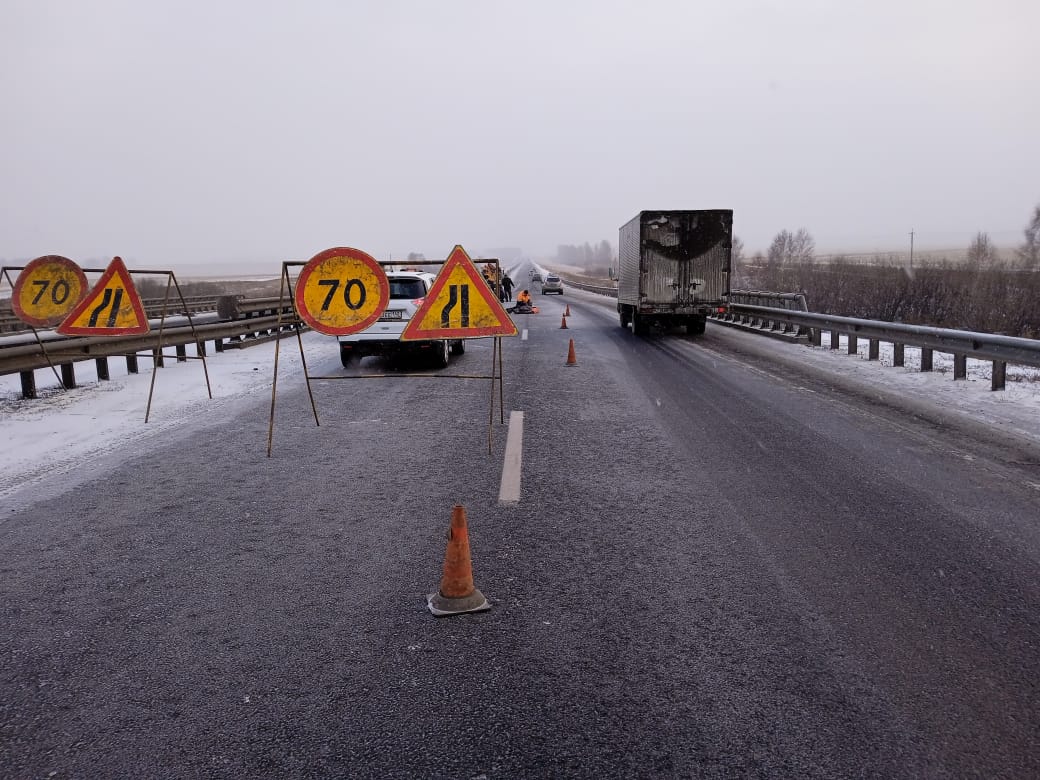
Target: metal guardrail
(600, 290)
(787, 313)
(778, 300)
(242, 323)
(962, 344)
(153, 308)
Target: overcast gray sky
(219, 132)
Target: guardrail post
(960, 366)
(102, 368)
(218, 345)
(926, 359)
(158, 357)
(999, 375)
(182, 353)
(874, 350)
(812, 333)
(835, 339)
(28, 384)
(68, 375)
(853, 344)
(817, 336)
(898, 355)
(131, 364)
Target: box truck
(673, 268)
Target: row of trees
(983, 294)
(596, 259)
(1000, 298)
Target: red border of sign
(458, 257)
(342, 251)
(16, 292)
(116, 268)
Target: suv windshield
(407, 289)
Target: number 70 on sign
(341, 291)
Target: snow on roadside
(65, 431)
(1015, 409)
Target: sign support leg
(491, 410)
(191, 322)
(274, 380)
(299, 340)
(501, 382)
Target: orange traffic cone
(568, 312)
(563, 322)
(457, 593)
(571, 359)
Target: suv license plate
(391, 314)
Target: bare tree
(1029, 252)
(981, 252)
(737, 251)
(790, 247)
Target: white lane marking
(523, 335)
(509, 490)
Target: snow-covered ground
(1014, 411)
(86, 429)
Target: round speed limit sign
(47, 289)
(341, 291)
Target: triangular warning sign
(111, 308)
(460, 305)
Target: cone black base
(441, 605)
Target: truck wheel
(624, 316)
(639, 325)
(695, 326)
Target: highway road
(720, 565)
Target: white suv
(407, 291)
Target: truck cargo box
(674, 267)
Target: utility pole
(911, 250)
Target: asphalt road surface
(719, 566)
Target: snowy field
(86, 430)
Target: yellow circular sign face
(47, 289)
(341, 291)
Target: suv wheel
(442, 354)
(346, 357)
(458, 347)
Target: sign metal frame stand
(497, 361)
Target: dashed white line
(509, 490)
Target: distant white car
(552, 284)
(383, 337)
